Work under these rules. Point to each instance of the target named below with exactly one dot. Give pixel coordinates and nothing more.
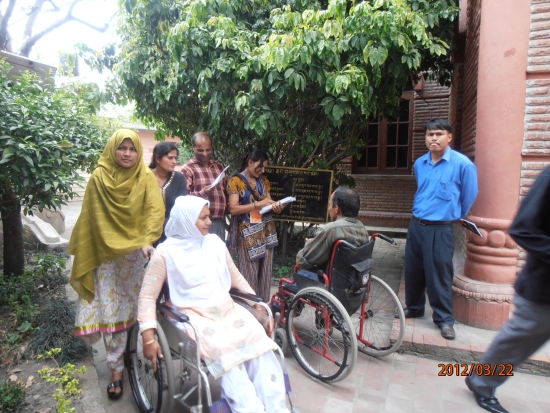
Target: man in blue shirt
(447, 188)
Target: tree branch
(338, 157)
(30, 41)
(55, 6)
(5, 38)
(35, 11)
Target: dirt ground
(15, 365)
(39, 393)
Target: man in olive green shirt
(344, 207)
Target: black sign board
(312, 190)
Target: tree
(63, 13)
(46, 136)
(298, 77)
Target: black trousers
(429, 266)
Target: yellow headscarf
(122, 212)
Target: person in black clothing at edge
(171, 182)
(529, 327)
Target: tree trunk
(14, 259)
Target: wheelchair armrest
(173, 312)
(236, 293)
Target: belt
(426, 222)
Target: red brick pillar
(483, 293)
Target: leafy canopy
(298, 77)
(46, 136)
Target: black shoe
(447, 331)
(410, 314)
(112, 394)
(491, 404)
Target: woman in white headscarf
(199, 272)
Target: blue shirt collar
(446, 156)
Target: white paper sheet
(220, 177)
(283, 201)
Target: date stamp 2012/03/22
(450, 369)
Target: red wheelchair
(326, 319)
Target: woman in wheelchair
(200, 272)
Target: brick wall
(432, 101)
(386, 200)
(536, 139)
(469, 113)
(539, 42)
(537, 118)
(456, 104)
(537, 102)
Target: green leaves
(47, 136)
(296, 78)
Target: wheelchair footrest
(221, 406)
(293, 288)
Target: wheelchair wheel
(282, 341)
(153, 391)
(381, 333)
(320, 335)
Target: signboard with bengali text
(312, 190)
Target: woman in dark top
(171, 183)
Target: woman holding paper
(252, 236)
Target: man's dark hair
(200, 135)
(439, 124)
(161, 150)
(348, 200)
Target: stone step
(423, 338)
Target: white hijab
(196, 264)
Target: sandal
(114, 385)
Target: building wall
(386, 200)
(536, 139)
(432, 101)
(469, 121)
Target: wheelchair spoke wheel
(320, 335)
(379, 333)
(153, 391)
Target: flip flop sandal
(114, 385)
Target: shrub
(56, 323)
(12, 396)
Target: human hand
(278, 207)
(264, 202)
(208, 190)
(264, 319)
(152, 351)
(148, 251)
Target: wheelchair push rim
(152, 391)
(380, 321)
(320, 335)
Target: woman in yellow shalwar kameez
(122, 215)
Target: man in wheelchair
(200, 272)
(344, 205)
